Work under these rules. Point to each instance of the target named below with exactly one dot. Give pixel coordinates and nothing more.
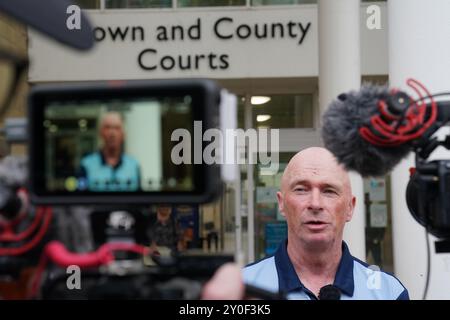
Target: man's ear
(280, 203)
(351, 209)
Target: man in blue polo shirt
(314, 262)
(316, 199)
(110, 169)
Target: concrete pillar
(419, 48)
(340, 71)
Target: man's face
(316, 198)
(164, 213)
(112, 131)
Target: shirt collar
(344, 275)
(103, 160)
(288, 280)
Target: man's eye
(300, 189)
(330, 191)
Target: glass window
(378, 222)
(278, 111)
(283, 111)
(270, 225)
(280, 2)
(113, 4)
(89, 4)
(210, 3)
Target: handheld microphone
(329, 292)
(373, 129)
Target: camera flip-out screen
(127, 142)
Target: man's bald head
(112, 131)
(111, 117)
(317, 160)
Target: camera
(428, 192)
(82, 210)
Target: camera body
(428, 190)
(428, 198)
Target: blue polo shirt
(355, 279)
(125, 176)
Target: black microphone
(373, 129)
(329, 292)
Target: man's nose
(315, 201)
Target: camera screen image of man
(110, 169)
(314, 262)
